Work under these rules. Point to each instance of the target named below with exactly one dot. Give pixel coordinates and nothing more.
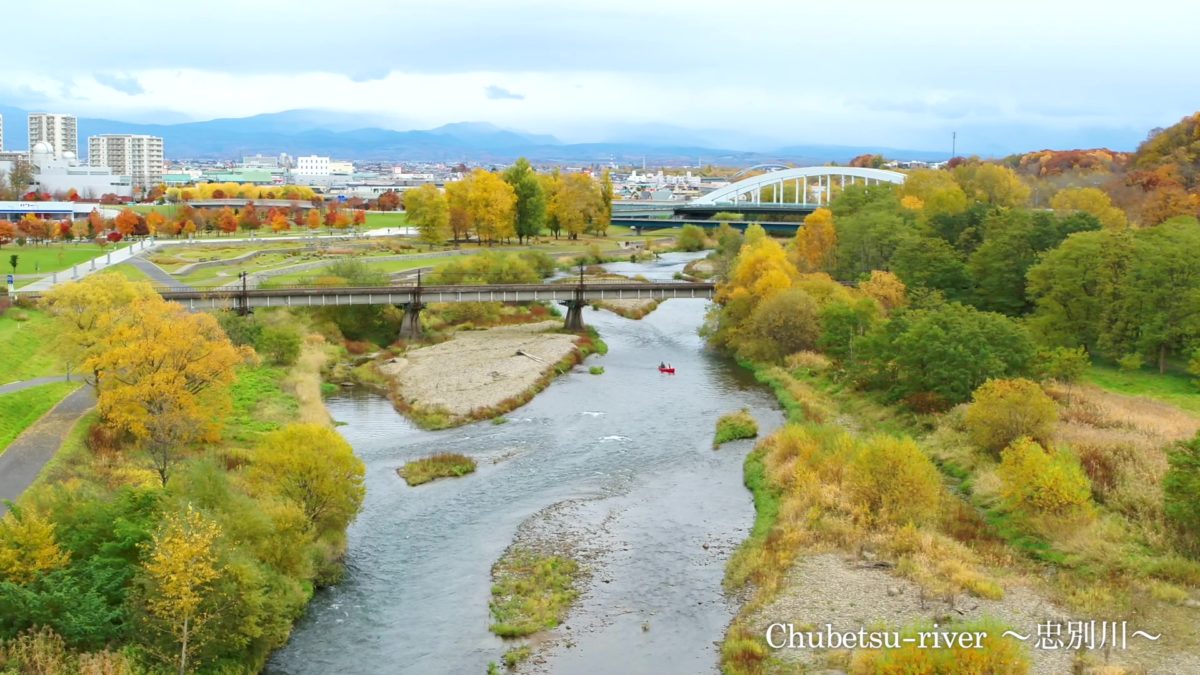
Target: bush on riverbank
(734, 426)
(531, 592)
(444, 465)
(596, 370)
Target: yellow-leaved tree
(891, 481)
(1037, 482)
(575, 203)
(761, 270)
(28, 548)
(491, 206)
(180, 570)
(87, 310)
(886, 288)
(313, 467)
(815, 242)
(1093, 201)
(164, 376)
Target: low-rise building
(60, 174)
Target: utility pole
(953, 144)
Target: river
(626, 455)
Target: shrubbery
(691, 238)
(1181, 493)
(1036, 482)
(1004, 410)
(893, 481)
(734, 426)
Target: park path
(131, 253)
(157, 275)
(28, 454)
(34, 382)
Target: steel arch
(755, 184)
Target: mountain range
(361, 137)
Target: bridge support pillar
(574, 322)
(410, 325)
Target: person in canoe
(662, 366)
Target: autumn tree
(1090, 200)
(313, 219)
(575, 203)
(429, 212)
(163, 376)
(155, 221)
(1002, 411)
(314, 467)
(227, 222)
(457, 193)
(248, 218)
(97, 222)
(180, 570)
(991, 184)
(28, 547)
(87, 310)
(894, 482)
(814, 244)
(530, 206)
(604, 219)
(388, 201)
(279, 222)
(491, 204)
(360, 218)
(7, 232)
(126, 222)
(760, 271)
(886, 289)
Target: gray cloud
(125, 84)
(497, 93)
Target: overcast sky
(1006, 76)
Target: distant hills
(362, 137)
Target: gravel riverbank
(478, 369)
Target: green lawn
(1175, 388)
(393, 219)
(46, 259)
(22, 408)
(129, 272)
(388, 266)
(27, 348)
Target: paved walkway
(37, 381)
(157, 275)
(26, 456)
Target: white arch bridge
(784, 191)
(810, 186)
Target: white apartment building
(312, 165)
(137, 156)
(60, 131)
(341, 168)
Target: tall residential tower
(137, 156)
(60, 131)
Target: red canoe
(669, 371)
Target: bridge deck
(402, 295)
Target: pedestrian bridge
(227, 298)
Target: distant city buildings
(137, 156)
(59, 130)
(312, 165)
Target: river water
(628, 451)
